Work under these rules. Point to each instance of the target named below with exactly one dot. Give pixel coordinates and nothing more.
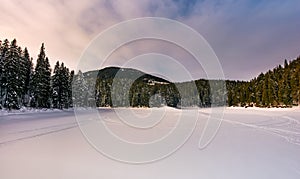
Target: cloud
(248, 36)
(53, 22)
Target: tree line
(279, 87)
(123, 87)
(23, 85)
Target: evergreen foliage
(80, 90)
(61, 87)
(276, 88)
(41, 81)
(23, 85)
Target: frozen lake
(250, 143)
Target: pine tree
(286, 64)
(1, 71)
(56, 83)
(27, 73)
(41, 81)
(80, 91)
(229, 93)
(12, 74)
(3, 60)
(259, 89)
(64, 89)
(271, 89)
(70, 83)
(60, 86)
(287, 95)
(252, 92)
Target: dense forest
(123, 87)
(24, 85)
(279, 87)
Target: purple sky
(248, 36)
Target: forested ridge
(24, 85)
(277, 87)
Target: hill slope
(130, 87)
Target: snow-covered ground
(251, 143)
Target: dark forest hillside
(278, 87)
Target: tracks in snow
(35, 131)
(282, 126)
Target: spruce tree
(12, 74)
(271, 89)
(56, 83)
(3, 61)
(60, 86)
(64, 93)
(287, 95)
(70, 83)
(27, 72)
(41, 81)
(259, 89)
(80, 91)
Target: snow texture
(251, 143)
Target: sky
(248, 36)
